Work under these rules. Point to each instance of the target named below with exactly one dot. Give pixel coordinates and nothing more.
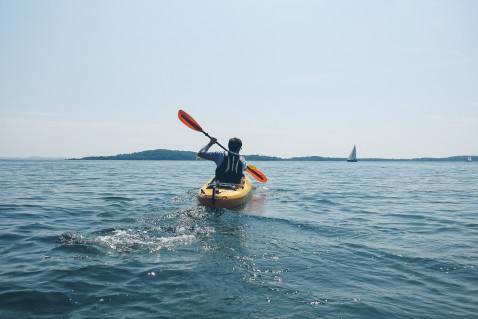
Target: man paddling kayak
(229, 165)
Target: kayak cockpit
(216, 194)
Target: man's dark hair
(235, 144)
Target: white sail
(353, 155)
(469, 159)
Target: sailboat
(469, 159)
(353, 155)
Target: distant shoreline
(164, 154)
(174, 155)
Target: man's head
(235, 145)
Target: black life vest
(230, 170)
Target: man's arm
(208, 146)
(244, 164)
(217, 157)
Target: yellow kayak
(222, 195)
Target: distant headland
(173, 155)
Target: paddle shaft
(216, 142)
(251, 170)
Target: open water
(127, 239)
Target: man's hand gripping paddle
(192, 124)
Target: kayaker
(229, 165)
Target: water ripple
(319, 240)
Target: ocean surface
(128, 239)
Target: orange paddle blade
(189, 121)
(256, 174)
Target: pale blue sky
(291, 78)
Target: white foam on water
(130, 240)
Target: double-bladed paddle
(192, 124)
